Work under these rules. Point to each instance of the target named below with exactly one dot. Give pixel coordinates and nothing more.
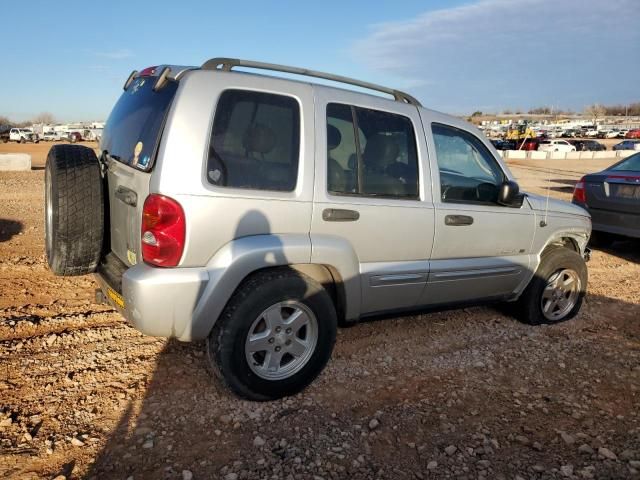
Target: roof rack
(226, 64)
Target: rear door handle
(458, 220)
(340, 215)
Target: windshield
(631, 164)
(133, 129)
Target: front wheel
(275, 336)
(556, 291)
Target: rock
(258, 441)
(432, 465)
(634, 463)
(568, 439)
(566, 470)
(522, 439)
(374, 423)
(148, 444)
(226, 419)
(231, 476)
(450, 450)
(606, 453)
(584, 448)
(187, 475)
(60, 477)
(628, 455)
(76, 442)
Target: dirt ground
(465, 394)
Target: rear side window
(133, 129)
(255, 142)
(370, 153)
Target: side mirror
(509, 194)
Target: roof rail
(227, 64)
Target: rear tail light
(147, 72)
(579, 192)
(163, 231)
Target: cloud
(514, 53)
(115, 54)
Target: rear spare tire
(74, 212)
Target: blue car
(626, 145)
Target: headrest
(334, 137)
(380, 151)
(259, 138)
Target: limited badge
(136, 152)
(131, 256)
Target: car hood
(538, 202)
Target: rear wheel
(275, 336)
(556, 291)
(74, 210)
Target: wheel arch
(234, 263)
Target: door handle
(340, 215)
(458, 220)
(127, 196)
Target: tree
(477, 113)
(595, 111)
(44, 118)
(4, 120)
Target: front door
(370, 202)
(481, 249)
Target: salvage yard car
(23, 135)
(259, 212)
(612, 198)
(556, 146)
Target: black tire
(601, 239)
(23, 140)
(74, 212)
(528, 308)
(226, 343)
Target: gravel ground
(465, 394)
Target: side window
(255, 141)
(468, 171)
(370, 153)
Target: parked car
(528, 144)
(591, 132)
(51, 136)
(587, 145)
(23, 135)
(74, 137)
(570, 133)
(556, 146)
(613, 134)
(627, 145)
(612, 198)
(4, 133)
(635, 133)
(504, 144)
(256, 212)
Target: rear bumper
(156, 301)
(620, 223)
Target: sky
(455, 56)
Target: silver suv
(259, 212)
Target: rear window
(631, 164)
(133, 129)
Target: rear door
(371, 197)
(129, 144)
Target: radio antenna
(543, 222)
